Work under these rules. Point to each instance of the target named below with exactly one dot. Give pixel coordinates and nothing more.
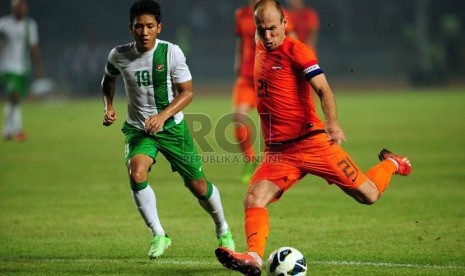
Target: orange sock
(243, 136)
(257, 229)
(381, 174)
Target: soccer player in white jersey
(158, 86)
(19, 43)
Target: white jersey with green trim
(16, 37)
(149, 78)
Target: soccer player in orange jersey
(298, 141)
(306, 22)
(244, 98)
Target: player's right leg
(256, 230)
(146, 202)
(242, 262)
(140, 155)
(268, 183)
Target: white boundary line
(357, 263)
(208, 263)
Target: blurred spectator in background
(306, 22)
(80, 63)
(436, 56)
(451, 37)
(20, 42)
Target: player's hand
(335, 134)
(109, 117)
(154, 124)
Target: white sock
(214, 207)
(146, 203)
(7, 119)
(257, 257)
(395, 163)
(17, 119)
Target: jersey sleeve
(110, 67)
(179, 71)
(306, 61)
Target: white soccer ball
(286, 261)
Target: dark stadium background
(361, 42)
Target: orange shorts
(285, 165)
(244, 92)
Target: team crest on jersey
(160, 67)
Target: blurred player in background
(306, 22)
(298, 141)
(158, 86)
(244, 97)
(19, 40)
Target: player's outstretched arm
(328, 106)
(108, 92)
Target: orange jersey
(245, 30)
(305, 20)
(285, 103)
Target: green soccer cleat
(158, 246)
(226, 240)
(247, 172)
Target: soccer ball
(286, 261)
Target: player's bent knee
(138, 176)
(367, 193)
(369, 197)
(197, 187)
(369, 200)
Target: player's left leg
(178, 147)
(379, 176)
(334, 165)
(209, 198)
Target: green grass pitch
(66, 209)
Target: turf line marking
(208, 263)
(357, 263)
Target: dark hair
(141, 7)
(275, 3)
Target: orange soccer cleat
(403, 164)
(244, 263)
